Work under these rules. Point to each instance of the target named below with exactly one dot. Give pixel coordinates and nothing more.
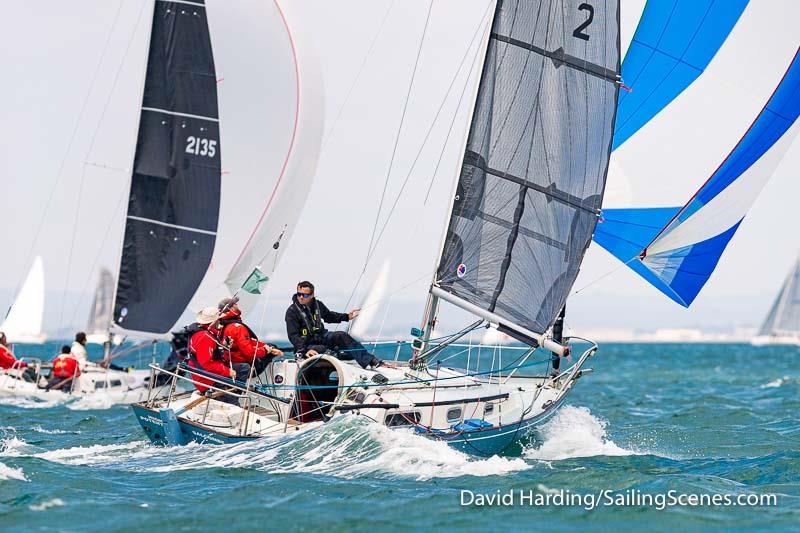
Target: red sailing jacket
(7, 358)
(66, 367)
(203, 345)
(243, 347)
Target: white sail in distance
(23, 324)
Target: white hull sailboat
(101, 385)
(523, 209)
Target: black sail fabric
(173, 208)
(536, 159)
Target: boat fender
(471, 424)
(172, 428)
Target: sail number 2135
(201, 146)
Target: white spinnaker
(373, 304)
(24, 321)
(669, 158)
(270, 106)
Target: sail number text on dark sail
(579, 33)
(200, 146)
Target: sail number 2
(200, 146)
(579, 33)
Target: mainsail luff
(173, 205)
(525, 205)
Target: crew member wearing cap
(205, 353)
(241, 343)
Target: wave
(778, 382)
(7, 472)
(348, 448)
(55, 502)
(29, 403)
(572, 433)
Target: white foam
(40, 429)
(55, 502)
(13, 447)
(574, 432)
(92, 401)
(776, 383)
(98, 454)
(29, 403)
(7, 472)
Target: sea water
(652, 422)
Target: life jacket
(312, 326)
(65, 367)
(236, 320)
(190, 330)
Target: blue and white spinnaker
(714, 99)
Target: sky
(71, 100)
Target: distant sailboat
(97, 330)
(23, 324)
(782, 325)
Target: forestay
(534, 168)
(173, 206)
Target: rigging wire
(434, 175)
(60, 172)
(400, 127)
(86, 158)
(358, 76)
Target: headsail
(24, 320)
(97, 329)
(535, 164)
(173, 206)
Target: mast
(534, 166)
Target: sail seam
(173, 226)
(523, 230)
(550, 192)
(559, 56)
(177, 114)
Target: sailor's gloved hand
(273, 350)
(311, 353)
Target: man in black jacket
(307, 333)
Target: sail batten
(533, 173)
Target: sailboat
(23, 324)
(782, 325)
(524, 205)
(98, 326)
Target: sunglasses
(305, 295)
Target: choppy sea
(651, 421)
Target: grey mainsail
(100, 315)
(173, 206)
(784, 315)
(535, 163)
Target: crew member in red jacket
(205, 352)
(241, 343)
(65, 371)
(7, 360)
